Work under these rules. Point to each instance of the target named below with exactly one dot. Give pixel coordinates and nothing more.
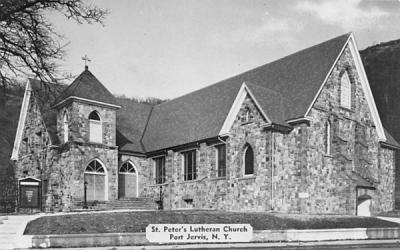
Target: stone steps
(129, 203)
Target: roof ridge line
(348, 34)
(145, 128)
(68, 88)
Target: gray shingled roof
(87, 86)
(200, 115)
(390, 140)
(284, 89)
(131, 122)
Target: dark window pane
(190, 165)
(221, 160)
(160, 170)
(94, 116)
(95, 166)
(249, 161)
(194, 165)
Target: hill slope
(10, 104)
(382, 65)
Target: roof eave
(278, 127)
(389, 145)
(84, 100)
(299, 120)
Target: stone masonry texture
(293, 172)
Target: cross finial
(86, 59)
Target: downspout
(272, 170)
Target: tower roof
(87, 86)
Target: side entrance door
(127, 181)
(95, 181)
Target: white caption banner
(184, 233)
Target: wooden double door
(127, 185)
(127, 181)
(95, 187)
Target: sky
(167, 48)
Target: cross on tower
(86, 59)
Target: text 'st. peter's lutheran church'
(301, 134)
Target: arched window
(127, 168)
(248, 160)
(328, 137)
(65, 127)
(94, 167)
(95, 128)
(345, 91)
(94, 116)
(95, 181)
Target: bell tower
(86, 129)
(86, 112)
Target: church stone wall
(235, 191)
(61, 168)
(293, 172)
(309, 180)
(78, 116)
(33, 149)
(67, 177)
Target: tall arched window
(248, 160)
(65, 127)
(95, 181)
(95, 128)
(328, 137)
(345, 91)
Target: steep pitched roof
(390, 140)
(87, 86)
(132, 119)
(45, 94)
(200, 114)
(283, 89)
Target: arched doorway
(127, 181)
(96, 181)
(364, 205)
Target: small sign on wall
(29, 193)
(303, 195)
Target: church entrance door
(127, 181)
(95, 179)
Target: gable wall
(32, 155)
(233, 192)
(33, 124)
(302, 166)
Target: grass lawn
(394, 213)
(137, 221)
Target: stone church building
(301, 134)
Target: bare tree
(28, 42)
